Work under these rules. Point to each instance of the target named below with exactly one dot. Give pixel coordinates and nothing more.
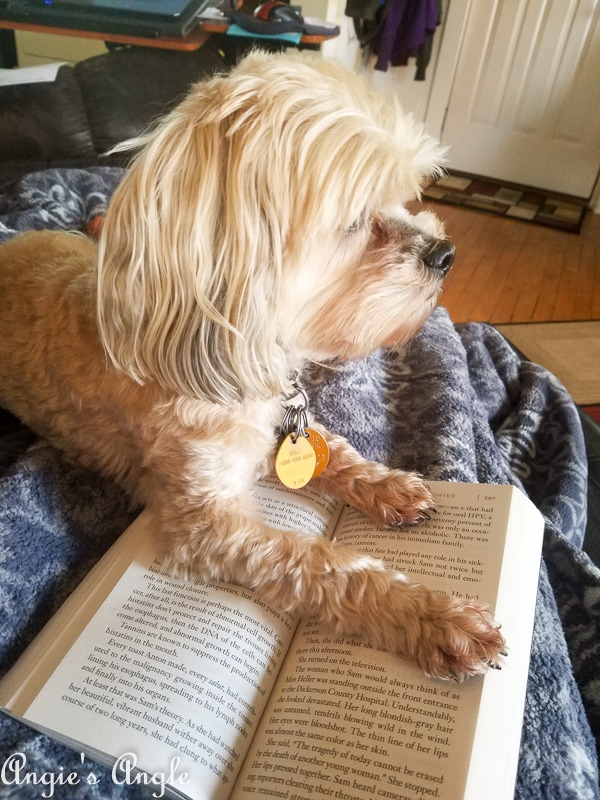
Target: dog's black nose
(441, 256)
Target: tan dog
(260, 226)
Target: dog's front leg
(226, 540)
(389, 497)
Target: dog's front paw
(456, 638)
(398, 499)
(390, 497)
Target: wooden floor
(511, 271)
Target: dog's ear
(189, 262)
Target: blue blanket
(459, 405)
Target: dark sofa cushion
(126, 89)
(89, 108)
(44, 123)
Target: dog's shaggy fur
(261, 225)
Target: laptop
(144, 18)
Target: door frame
(451, 44)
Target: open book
(203, 691)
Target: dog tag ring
(321, 448)
(295, 461)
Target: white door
(525, 100)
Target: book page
(346, 721)
(170, 676)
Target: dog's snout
(440, 256)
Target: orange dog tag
(321, 448)
(295, 462)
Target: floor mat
(570, 350)
(509, 200)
